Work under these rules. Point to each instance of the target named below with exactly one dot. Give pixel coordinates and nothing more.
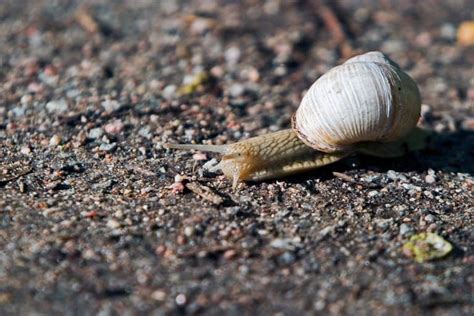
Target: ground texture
(97, 217)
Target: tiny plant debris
(427, 246)
(196, 83)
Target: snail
(366, 105)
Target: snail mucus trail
(366, 105)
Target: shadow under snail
(366, 105)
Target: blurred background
(252, 54)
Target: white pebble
(57, 106)
(55, 140)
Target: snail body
(368, 105)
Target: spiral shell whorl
(368, 98)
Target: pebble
(372, 194)
(282, 243)
(327, 230)
(95, 133)
(384, 223)
(199, 156)
(411, 187)
(401, 209)
(55, 140)
(115, 127)
(145, 132)
(158, 295)
(111, 105)
(57, 106)
(448, 31)
(17, 111)
(428, 194)
(430, 179)
(177, 188)
(189, 231)
(236, 90)
(25, 150)
(287, 258)
(200, 25)
(232, 55)
(112, 223)
(103, 185)
(26, 99)
(169, 91)
(181, 299)
(108, 147)
(393, 175)
(405, 229)
(429, 218)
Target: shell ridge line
(328, 110)
(339, 128)
(355, 99)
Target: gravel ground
(97, 217)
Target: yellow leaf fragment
(426, 247)
(198, 81)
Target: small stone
(177, 188)
(17, 111)
(232, 55)
(181, 299)
(372, 194)
(57, 106)
(428, 194)
(200, 25)
(179, 178)
(236, 90)
(158, 295)
(282, 243)
(95, 133)
(108, 147)
(55, 140)
(326, 230)
(110, 105)
(211, 165)
(383, 223)
(230, 254)
(112, 223)
(104, 185)
(26, 99)
(287, 258)
(145, 132)
(429, 218)
(405, 229)
(199, 156)
(393, 175)
(25, 150)
(468, 123)
(188, 231)
(169, 91)
(430, 179)
(114, 127)
(448, 31)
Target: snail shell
(366, 99)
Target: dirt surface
(97, 217)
